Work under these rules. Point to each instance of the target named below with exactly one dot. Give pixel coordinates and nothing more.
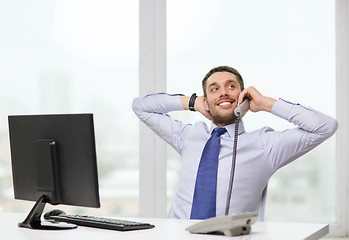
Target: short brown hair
(222, 69)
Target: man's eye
(214, 89)
(231, 86)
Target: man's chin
(224, 120)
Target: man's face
(222, 91)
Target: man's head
(222, 69)
(222, 87)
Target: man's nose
(223, 91)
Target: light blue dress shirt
(259, 153)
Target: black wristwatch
(192, 102)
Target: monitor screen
(54, 156)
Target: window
(80, 56)
(72, 57)
(284, 49)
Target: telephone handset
(242, 109)
(237, 224)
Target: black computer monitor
(53, 161)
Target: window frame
(152, 78)
(340, 228)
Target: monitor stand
(33, 220)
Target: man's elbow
(332, 126)
(136, 105)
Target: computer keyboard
(101, 222)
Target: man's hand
(199, 105)
(258, 102)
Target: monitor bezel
(73, 157)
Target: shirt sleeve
(152, 110)
(313, 128)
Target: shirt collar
(231, 128)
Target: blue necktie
(204, 200)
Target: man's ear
(206, 104)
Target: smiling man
(259, 153)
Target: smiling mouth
(225, 102)
(222, 104)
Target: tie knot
(219, 131)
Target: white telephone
(232, 225)
(229, 225)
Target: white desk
(165, 229)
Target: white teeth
(224, 103)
